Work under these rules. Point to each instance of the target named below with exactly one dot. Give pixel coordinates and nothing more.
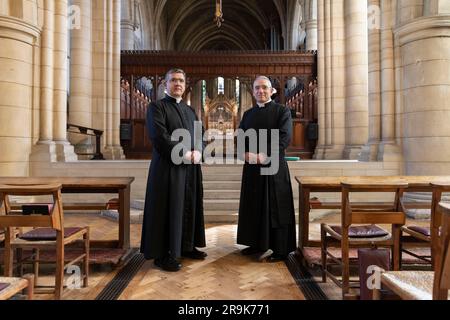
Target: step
(218, 169)
(221, 217)
(136, 216)
(221, 205)
(221, 185)
(222, 194)
(137, 204)
(222, 177)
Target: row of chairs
(360, 229)
(47, 233)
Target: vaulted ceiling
(189, 24)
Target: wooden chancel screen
(293, 74)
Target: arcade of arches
(381, 92)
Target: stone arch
(252, 17)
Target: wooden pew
(424, 285)
(9, 286)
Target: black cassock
(266, 211)
(173, 213)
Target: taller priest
(173, 225)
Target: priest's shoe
(276, 257)
(168, 264)
(249, 251)
(195, 254)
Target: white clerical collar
(178, 100)
(262, 105)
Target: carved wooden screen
(245, 66)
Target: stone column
(388, 149)
(113, 150)
(80, 103)
(356, 77)
(127, 24)
(47, 49)
(321, 144)
(65, 151)
(331, 69)
(311, 26)
(370, 150)
(424, 85)
(18, 34)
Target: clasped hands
(194, 157)
(254, 158)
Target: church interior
(368, 86)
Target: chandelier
(218, 18)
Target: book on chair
(37, 208)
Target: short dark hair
(175, 70)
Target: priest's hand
(251, 158)
(262, 158)
(196, 157)
(188, 157)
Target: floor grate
(305, 280)
(119, 283)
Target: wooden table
(307, 185)
(100, 185)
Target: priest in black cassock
(266, 211)
(173, 215)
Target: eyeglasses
(262, 87)
(175, 80)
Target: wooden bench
(350, 234)
(309, 185)
(424, 285)
(120, 186)
(9, 286)
(48, 233)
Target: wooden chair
(9, 287)
(349, 236)
(425, 285)
(49, 233)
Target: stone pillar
(321, 75)
(80, 103)
(106, 76)
(331, 72)
(18, 34)
(356, 101)
(370, 150)
(113, 150)
(311, 26)
(46, 94)
(388, 151)
(424, 85)
(127, 24)
(65, 151)
(436, 7)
